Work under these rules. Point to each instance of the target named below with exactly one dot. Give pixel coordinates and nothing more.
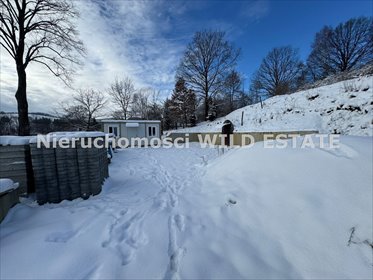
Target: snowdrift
(288, 213)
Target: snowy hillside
(36, 115)
(251, 213)
(344, 107)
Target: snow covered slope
(251, 213)
(344, 107)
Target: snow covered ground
(197, 213)
(344, 107)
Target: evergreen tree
(182, 104)
(168, 122)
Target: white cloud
(140, 39)
(122, 38)
(255, 10)
(44, 90)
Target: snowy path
(168, 172)
(193, 214)
(138, 210)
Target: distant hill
(33, 115)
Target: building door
(132, 132)
(114, 129)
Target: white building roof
(128, 121)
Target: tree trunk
(89, 122)
(23, 120)
(206, 107)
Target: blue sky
(144, 40)
(294, 23)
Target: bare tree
(232, 89)
(278, 72)
(140, 103)
(8, 125)
(87, 103)
(74, 115)
(206, 62)
(155, 106)
(346, 47)
(122, 92)
(39, 31)
(255, 91)
(117, 115)
(318, 62)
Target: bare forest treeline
(208, 68)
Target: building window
(114, 130)
(151, 131)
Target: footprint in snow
(60, 237)
(180, 222)
(231, 202)
(342, 151)
(125, 236)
